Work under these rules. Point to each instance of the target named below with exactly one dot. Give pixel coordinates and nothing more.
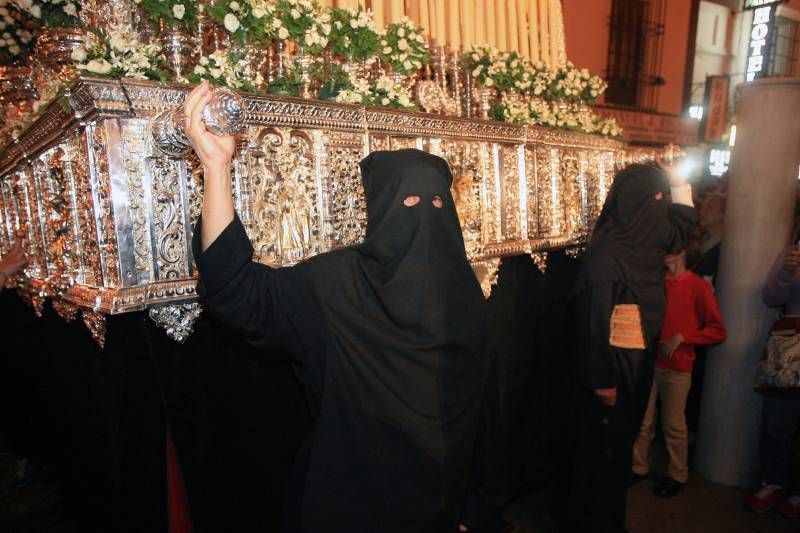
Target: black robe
(389, 342)
(623, 265)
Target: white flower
(295, 14)
(36, 11)
(2, 25)
(70, 9)
(387, 50)
(3, 12)
(489, 82)
(215, 72)
(199, 69)
(79, 55)
(283, 33)
(231, 22)
(401, 32)
(407, 65)
(14, 49)
(385, 101)
(203, 61)
(99, 66)
(234, 6)
(178, 11)
(258, 12)
(402, 44)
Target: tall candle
(533, 29)
(441, 23)
(454, 25)
(480, 22)
(522, 28)
(396, 10)
(378, 14)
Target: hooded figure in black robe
(623, 264)
(389, 339)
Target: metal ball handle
(223, 115)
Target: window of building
(636, 30)
(785, 50)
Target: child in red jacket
(691, 318)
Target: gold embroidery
(626, 327)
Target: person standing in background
(691, 318)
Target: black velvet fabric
(237, 416)
(98, 419)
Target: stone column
(758, 221)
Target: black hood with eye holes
(408, 317)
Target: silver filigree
(176, 320)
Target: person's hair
(694, 253)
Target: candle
(454, 25)
(396, 10)
(467, 24)
(377, 14)
(441, 23)
(480, 22)
(533, 29)
(522, 28)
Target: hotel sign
(760, 38)
(752, 4)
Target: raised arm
(248, 297)
(215, 153)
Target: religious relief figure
(294, 215)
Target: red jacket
(693, 312)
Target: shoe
(790, 507)
(767, 497)
(668, 488)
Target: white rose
(283, 33)
(215, 72)
(407, 65)
(8, 20)
(231, 22)
(489, 82)
(178, 11)
(402, 44)
(2, 25)
(199, 69)
(401, 32)
(385, 101)
(404, 101)
(3, 12)
(353, 23)
(79, 55)
(234, 6)
(258, 12)
(2, 42)
(14, 49)
(70, 9)
(309, 39)
(36, 11)
(387, 50)
(295, 14)
(6, 35)
(203, 60)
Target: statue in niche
(294, 217)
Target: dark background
(98, 419)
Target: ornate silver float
(106, 217)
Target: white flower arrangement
(353, 33)
(118, 54)
(506, 71)
(383, 92)
(574, 85)
(224, 68)
(403, 47)
(305, 24)
(16, 37)
(253, 21)
(51, 13)
(537, 111)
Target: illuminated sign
(717, 104)
(763, 24)
(719, 159)
(752, 4)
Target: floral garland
(253, 20)
(174, 13)
(353, 33)
(306, 25)
(223, 68)
(16, 39)
(404, 48)
(52, 13)
(118, 54)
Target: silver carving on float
(176, 320)
(105, 195)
